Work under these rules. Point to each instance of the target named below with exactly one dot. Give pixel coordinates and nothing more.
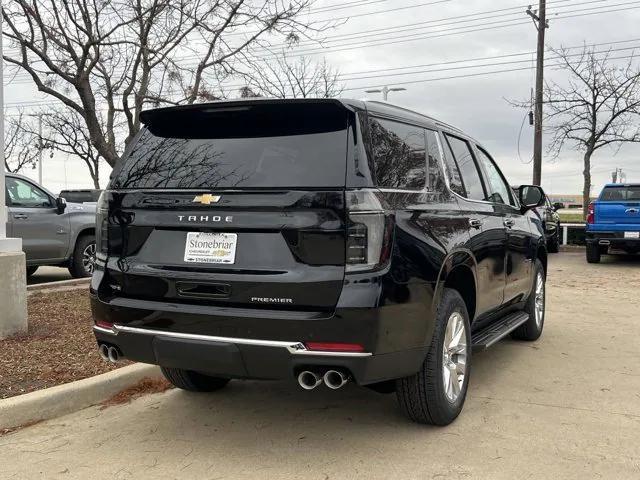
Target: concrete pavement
(567, 406)
(49, 274)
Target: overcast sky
(477, 103)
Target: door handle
(508, 222)
(631, 210)
(20, 216)
(475, 223)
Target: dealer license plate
(631, 234)
(204, 247)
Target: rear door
(239, 208)
(486, 225)
(618, 208)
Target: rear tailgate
(233, 207)
(618, 208)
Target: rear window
(620, 194)
(271, 145)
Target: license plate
(204, 247)
(631, 234)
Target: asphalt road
(49, 274)
(566, 407)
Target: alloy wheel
(454, 356)
(539, 300)
(89, 258)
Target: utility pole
(540, 21)
(618, 176)
(385, 91)
(40, 148)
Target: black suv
(323, 240)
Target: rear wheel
(84, 257)
(593, 253)
(535, 307)
(193, 381)
(435, 395)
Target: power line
(402, 39)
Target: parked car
(89, 195)
(321, 240)
(548, 213)
(53, 232)
(613, 221)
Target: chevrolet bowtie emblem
(206, 199)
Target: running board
(498, 330)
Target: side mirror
(558, 206)
(530, 196)
(61, 205)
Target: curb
(76, 282)
(68, 398)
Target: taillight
(591, 213)
(102, 225)
(369, 231)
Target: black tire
(422, 397)
(532, 329)
(31, 270)
(77, 268)
(553, 244)
(593, 253)
(193, 381)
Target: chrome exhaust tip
(113, 354)
(103, 350)
(335, 379)
(309, 380)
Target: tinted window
(255, 146)
(621, 193)
(453, 174)
(468, 168)
(435, 180)
(499, 192)
(399, 154)
(24, 194)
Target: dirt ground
(58, 348)
(565, 407)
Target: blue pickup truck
(613, 221)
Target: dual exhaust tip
(109, 353)
(334, 379)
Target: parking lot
(567, 406)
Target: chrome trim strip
(294, 348)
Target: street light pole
(385, 91)
(40, 148)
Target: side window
(24, 194)
(435, 179)
(453, 173)
(499, 191)
(468, 168)
(399, 154)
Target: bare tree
(281, 77)
(598, 106)
(106, 61)
(20, 145)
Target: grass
(571, 217)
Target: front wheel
(553, 244)
(193, 381)
(535, 307)
(435, 395)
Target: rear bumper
(251, 358)
(612, 239)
